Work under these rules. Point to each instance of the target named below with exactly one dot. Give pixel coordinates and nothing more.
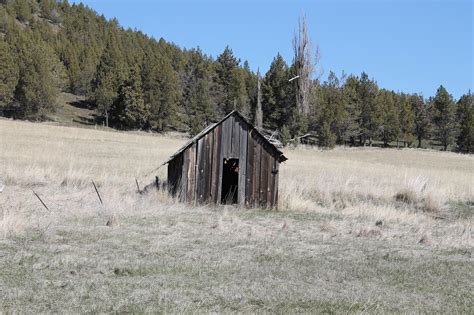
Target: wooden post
(44, 205)
(97, 191)
(138, 187)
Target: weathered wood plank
(191, 187)
(250, 169)
(242, 163)
(270, 160)
(184, 177)
(215, 163)
(174, 174)
(230, 133)
(230, 130)
(208, 167)
(213, 187)
(263, 178)
(236, 130)
(232, 137)
(223, 138)
(227, 138)
(274, 183)
(222, 154)
(200, 170)
(257, 195)
(256, 174)
(171, 182)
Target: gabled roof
(281, 157)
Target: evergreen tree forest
(134, 81)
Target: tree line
(134, 81)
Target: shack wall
(196, 174)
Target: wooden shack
(228, 162)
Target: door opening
(230, 181)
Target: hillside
(133, 81)
(72, 110)
(357, 230)
(51, 47)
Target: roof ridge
(211, 126)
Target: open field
(357, 230)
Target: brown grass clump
(368, 232)
(426, 239)
(416, 195)
(413, 190)
(112, 220)
(431, 205)
(407, 196)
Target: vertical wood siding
(191, 171)
(216, 165)
(243, 152)
(256, 173)
(174, 174)
(249, 170)
(196, 174)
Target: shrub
(407, 195)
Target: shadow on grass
(82, 104)
(89, 121)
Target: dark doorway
(230, 181)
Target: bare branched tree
(258, 112)
(305, 65)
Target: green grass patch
(461, 210)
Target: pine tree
(160, 83)
(421, 118)
(40, 75)
(129, 110)
(351, 122)
(39, 82)
(250, 96)
(389, 122)
(21, 9)
(465, 117)
(231, 80)
(108, 78)
(226, 64)
(81, 44)
(444, 117)
(50, 10)
(330, 117)
(196, 92)
(285, 135)
(200, 104)
(8, 74)
(277, 101)
(5, 19)
(326, 137)
(70, 57)
(407, 119)
(367, 90)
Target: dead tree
(258, 111)
(305, 65)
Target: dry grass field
(356, 231)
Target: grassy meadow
(357, 230)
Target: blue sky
(409, 46)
